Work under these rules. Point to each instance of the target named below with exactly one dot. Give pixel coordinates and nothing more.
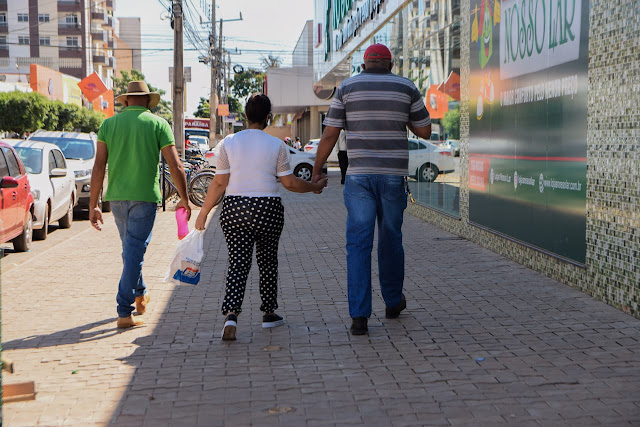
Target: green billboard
(528, 121)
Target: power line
(60, 16)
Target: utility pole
(178, 78)
(220, 61)
(213, 100)
(226, 87)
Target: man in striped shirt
(375, 108)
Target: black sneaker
(359, 326)
(230, 325)
(394, 312)
(272, 320)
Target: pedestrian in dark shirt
(375, 108)
(343, 158)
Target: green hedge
(27, 112)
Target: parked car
(80, 151)
(199, 142)
(188, 132)
(53, 185)
(301, 163)
(312, 148)
(427, 160)
(16, 200)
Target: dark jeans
(371, 198)
(343, 161)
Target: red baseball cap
(377, 51)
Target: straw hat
(138, 88)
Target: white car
(427, 160)
(301, 163)
(312, 148)
(202, 142)
(52, 184)
(80, 151)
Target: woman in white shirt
(248, 167)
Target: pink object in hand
(183, 222)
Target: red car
(16, 200)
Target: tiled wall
(612, 272)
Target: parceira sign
(196, 123)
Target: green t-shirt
(134, 139)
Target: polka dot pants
(245, 222)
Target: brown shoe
(127, 322)
(141, 303)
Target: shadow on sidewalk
(483, 341)
(80, 334)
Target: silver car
(80, 151)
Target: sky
(267, 28)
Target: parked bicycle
(199, 176)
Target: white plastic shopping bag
(185, 266)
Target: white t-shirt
(253, 159)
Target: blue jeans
(135, 222)
(367, 198)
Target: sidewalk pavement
(484, 341)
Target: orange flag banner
(451, 86)
(436, 102)
(92, 86)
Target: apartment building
(75, 37)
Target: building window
(3, 19)
(73, 43)
(23, 39)
(23, 17)
(45, 41)
(43, 17)
(3, 42)
(71, 20)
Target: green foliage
(247, 83)
(163, 109)
(235, 106)
(26, 112)
(23, 112)
(204, 109)
(451, 123)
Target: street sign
(223, 110)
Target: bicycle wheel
(198, 186)
(169, 188)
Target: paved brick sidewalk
(484, 341)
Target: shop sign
(538, 34)
(196, 123)
(529, 63)
(344, 19)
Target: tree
(236, 107)
(204, 109)
(271, 61)
(451, 123)
(163, 109)
(24, 112)
(247, 83)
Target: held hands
(95, 218)
(319, 182)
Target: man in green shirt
(131, 143)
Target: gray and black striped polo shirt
(374, 108)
